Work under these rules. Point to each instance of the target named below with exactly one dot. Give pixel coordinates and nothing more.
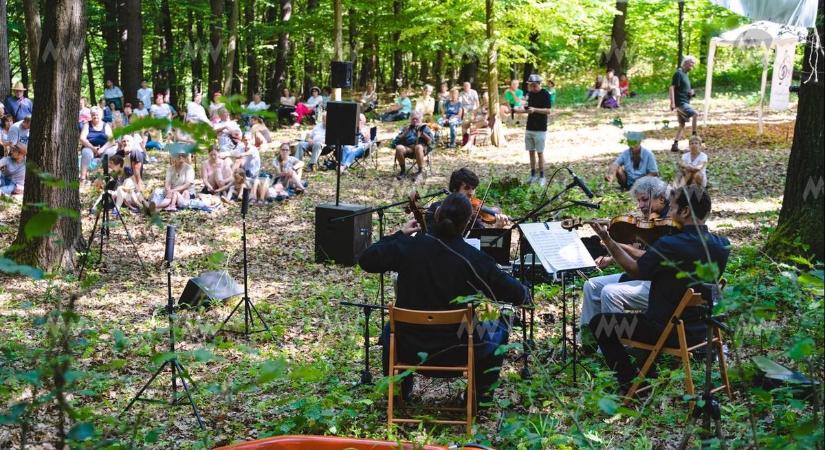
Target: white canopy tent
(763, 34)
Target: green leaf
(812, 280)
(801, 349)
(41, 224)
(608, 405)
(9, 266)
(82, 431)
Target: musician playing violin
(433, 269)
(617, 292)
(465, 181)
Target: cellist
(465, 181)
(618, 292)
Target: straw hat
(18, 87)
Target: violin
(629, 229)
(416, 210)
(485, 214)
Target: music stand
(560, 253)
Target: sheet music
(557, 249)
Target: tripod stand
(710, 410)
(573, 362)
(366, 377)
(108, 205)
(248, 306)
(178, 371)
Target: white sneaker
(542, 181)
(532, 179)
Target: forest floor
(298, 380)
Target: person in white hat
(537, 109)
(17, 104)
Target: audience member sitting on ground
(216, 173)
(286, 106)
(195, 112)
(692, 167)
(215, 107)
(94, 137)
(611, 83)
(6, 122)
(19, 133)
(633, 163)
(425, 103)
(349, 153)
(514, 98)
(469, 101)
(478, 125)
(400, 110)
(314, 140)
(106, 112)
(598, 90)
(13, 172)
(84, 114)
(326, 96)
(17, 104)
(551, 89)
(369, 98)
(239, 183)
(179, 185)
(141, 111)
(453, 115)
(414, 141)
(224, 127)
(624, 86)
(443, 97)
(312, 105)
(261, 136)
(288, 171)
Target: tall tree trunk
(469, 68)
(31, 10)
(438, 68)
(618, 37)
(424, 72)
(196, 45)
(496, 136)
(53, 143)
(681, 33)
(397, 59)
(279, 77)
(231, 46)
(802, 214)
(5, 61)
(24, 64)
(252, 85)
(111, 54)
(90, 74)
(236, 73)
(309, 52)
(216, 47)
(167, 54)
(352, 41)
(131, 63)
(529, 67)
(338, 31)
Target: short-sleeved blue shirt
(647, 164)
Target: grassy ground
(299, 380)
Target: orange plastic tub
(326, 443)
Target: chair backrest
(373, 133)
(415, 317)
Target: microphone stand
(248, 306)
(366, 377)
(177, 369)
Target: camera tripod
(107, 205)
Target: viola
(629, 229)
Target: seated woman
(369, 99)
(400, 110)
(261, 136)
(179, 185)
(286, 107)
(453, 115)
(514, 98)
(216, 173)
(624, 85)
(288, 170)
(352, 152)
(598, 90)
(311, 106)
(425, 104)
(235, 190)
(95, 140)
(443, 97)
(215, 107)
(478, 125)
(692, 167)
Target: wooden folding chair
(454, 317)
(684, 352)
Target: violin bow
(474, 217)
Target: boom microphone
(580, 183)
(590, 205)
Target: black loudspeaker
(341, 241)
(342, 123)
(209, 286)
(341, 74)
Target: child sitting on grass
(693, 166)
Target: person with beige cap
(17, 104)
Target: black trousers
(609, 328)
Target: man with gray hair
(414, 141)
(617, 293)
(680, 95)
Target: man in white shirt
(113, 94)
(19, 134)
(145, 93)
(314, 140)
(469, 100)
(195, 112)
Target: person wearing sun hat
(633, 163)
(17, 104)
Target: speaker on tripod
(341, 72)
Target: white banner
(782, 71)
